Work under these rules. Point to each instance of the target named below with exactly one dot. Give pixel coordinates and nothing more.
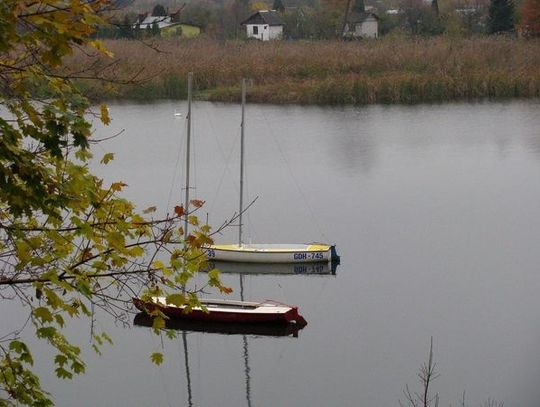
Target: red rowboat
(226, 311)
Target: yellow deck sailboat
(266, 253)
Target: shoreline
(386, 71)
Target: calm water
(435, 212)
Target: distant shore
(389, 70)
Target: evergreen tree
(278, 6)
(359, 6)
(435, 7)
(159, 10)
(156, 32)
(501, 16)
(125, 30)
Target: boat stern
(334, 257)
(292, 316)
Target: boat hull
(272, 253)
(226, 311)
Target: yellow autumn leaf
(105, 118)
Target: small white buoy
(177, 114)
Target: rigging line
(193, 154)
(175, 171)
(227, 158)
(297, 184)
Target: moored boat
(226, 311)
(273, 253)
(266, 253)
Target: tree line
(323, 19)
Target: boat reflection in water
(323, 268)
(224, 328)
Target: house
(361, 25)
(168, 25)
(264, 25)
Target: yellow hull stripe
(247, 248)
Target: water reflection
(321, 269)
(429, 205)
(223, 328)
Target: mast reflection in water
(222, 328)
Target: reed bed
(391, 70)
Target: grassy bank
(391, 70)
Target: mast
(242, 126)
(188, 151)
(186, 205)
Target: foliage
(501, 16)
(159, 10)
(69, 243)
(435, 7)
(530, 18)
(420, 18)
(156, 32)
(359, 6)
(278, 6)
(258, 5)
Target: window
(255, 30)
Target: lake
(434, 210)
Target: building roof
(270, 17)
(162, 21)
(355, 17)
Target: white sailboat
(266, 252)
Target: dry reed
(391, 70)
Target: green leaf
(18, 346)
(171, 334)
(176, 299)
(43, 314)
(157, 358)
(59, 320)
(105, 119)
(158, 323)
(77, 367)
(107, 158)
(46, 332)
(60, 360)
(107, 338)
(63, 373)
(213, 274)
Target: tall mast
(242, 125)
(186, 224)
(188, 151)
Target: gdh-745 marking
(308, 256)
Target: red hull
(290, 316)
